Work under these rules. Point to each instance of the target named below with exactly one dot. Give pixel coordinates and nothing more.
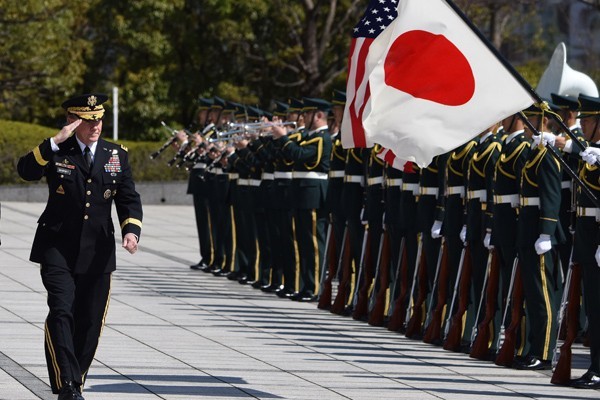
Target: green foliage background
(18, 138)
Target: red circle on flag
(430, 67)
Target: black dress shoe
(284, 293)
(207, 268)
(199, 266)
(257, 284)
(271, 288)
(589, 380)
(222, 273)
(70, 391)
(233, 276)
(296, 296)
(532, 363)
(308, 298)
(243, 279)
(217, 271)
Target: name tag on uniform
(64, 171)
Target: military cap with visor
(86, 106)
(589, 106)
(314, 104)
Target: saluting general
(74, 241)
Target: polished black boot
(70, 391)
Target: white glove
(598, 256)
(590, 155)
(463, 234)
(545, 138)
(486, 241)
(543, 244)
(436, 229)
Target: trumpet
(261, 125)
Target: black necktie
(87, 154)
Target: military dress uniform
(540, 196)
(198, 189)
(74, 241)
(587, 242)
(309, 188)
(515, 151)
(479, 209)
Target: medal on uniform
(60, 190)
(107, 194)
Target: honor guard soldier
(538, 231)
(336, 172)
(198, 189)
(457, 167)
(566, 107)
(479, 209)
(309, 187)
(507, 178)
(587, 237)
(283, 203)
(74, 241)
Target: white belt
(254, 182)
(394, 182)
(530, 201)
(336, 174)
(309, 175)
(375, 181)
(199, 165)
(451, 190)
(429, 191)
(267, 176)
(243, 182)
(513, 199)
(411, 187)
(477, 194)
(355, 179)
(234, 176)
(283, 175)
(565, 185)
(588, 212)
(220, 171)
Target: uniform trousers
(78, 306)
(310, 234)
(203, 224)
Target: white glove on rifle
(598, 256)
(543, 244)
(486, 241)
(436, 229)
(463, 234)
(545, 138)
(590, 155)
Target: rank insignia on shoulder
(124, 148)
(107, 194)
(60, 190)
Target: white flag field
(434, 84)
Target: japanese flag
(434, 84)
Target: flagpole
(512, 70)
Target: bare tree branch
(326, 34)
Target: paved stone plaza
(174, 333)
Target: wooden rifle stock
(455, 329)
(361, 307)
(376, 314)
(562, 371)
(345, 268)
(331, 265)
(433, 331)
(415, 323)
(397, 317)
(481, 346)
(506, 353)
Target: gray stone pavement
(173, 333)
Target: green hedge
(18, 138)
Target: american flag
(379, 14)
